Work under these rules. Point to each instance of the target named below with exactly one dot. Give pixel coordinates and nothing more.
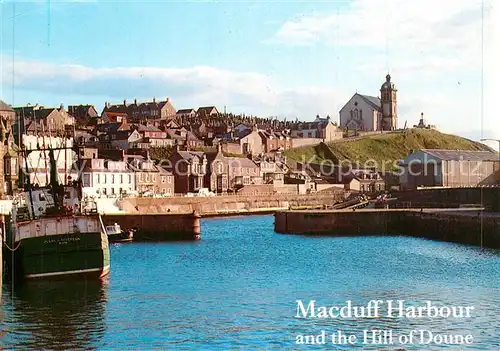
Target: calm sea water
(237, 289)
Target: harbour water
(237, 288)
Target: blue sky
(289, 59)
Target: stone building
(370, 113)
(7, 118)
(449, 168)
(188, 168)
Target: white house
(104, 177)
(38, 160)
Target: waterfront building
(189, 169)
(101, 177)
(149, 178)
(217, 176)
(370, 113)
(7, 118)
(242, 171)
(37, 160)
(449, 168)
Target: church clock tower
(388, 94)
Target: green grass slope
(383, 150)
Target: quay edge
(464, 226)
(158, 227)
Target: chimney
(124, 102)
(167, 100)
(135, 101)
(61, 107)
(154, 99)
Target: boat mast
(26, 185)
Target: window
(163, 179)
(169, 179)
(112, 191)
(105, 180)
(163, 190)
(112, 179)
(169, 191)
(130, 178)
(121, 179)
(98, 178)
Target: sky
(290, 59)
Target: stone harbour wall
(469, 227)
(208, 206)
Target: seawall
(471, 226)
(158, 227)
(489, 197)
(226, 205)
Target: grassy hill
(382, 148)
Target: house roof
(5, 107)
(185, 111)
(241, 162)
(462, 155)
(206, 109)
(147, 128)
(189, 155)
(175, 134)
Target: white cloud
(442, 34)
(248, 92)
(432, 48)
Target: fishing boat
(117, 235)
(53, 234)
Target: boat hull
(51, 255)
(121, 237)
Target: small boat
(117, 235)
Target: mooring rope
(14, 249)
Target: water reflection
(55, 314)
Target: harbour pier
(471, 226)
(158, 227)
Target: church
(370, 113)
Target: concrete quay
(178, 218)
(469, 226)
(158, 227)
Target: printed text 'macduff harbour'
(382, 308)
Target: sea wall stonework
(225, 204)
(464, 227)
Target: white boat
(116, 234)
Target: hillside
(382, 148)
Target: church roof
(372, 101)
(5, 107)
